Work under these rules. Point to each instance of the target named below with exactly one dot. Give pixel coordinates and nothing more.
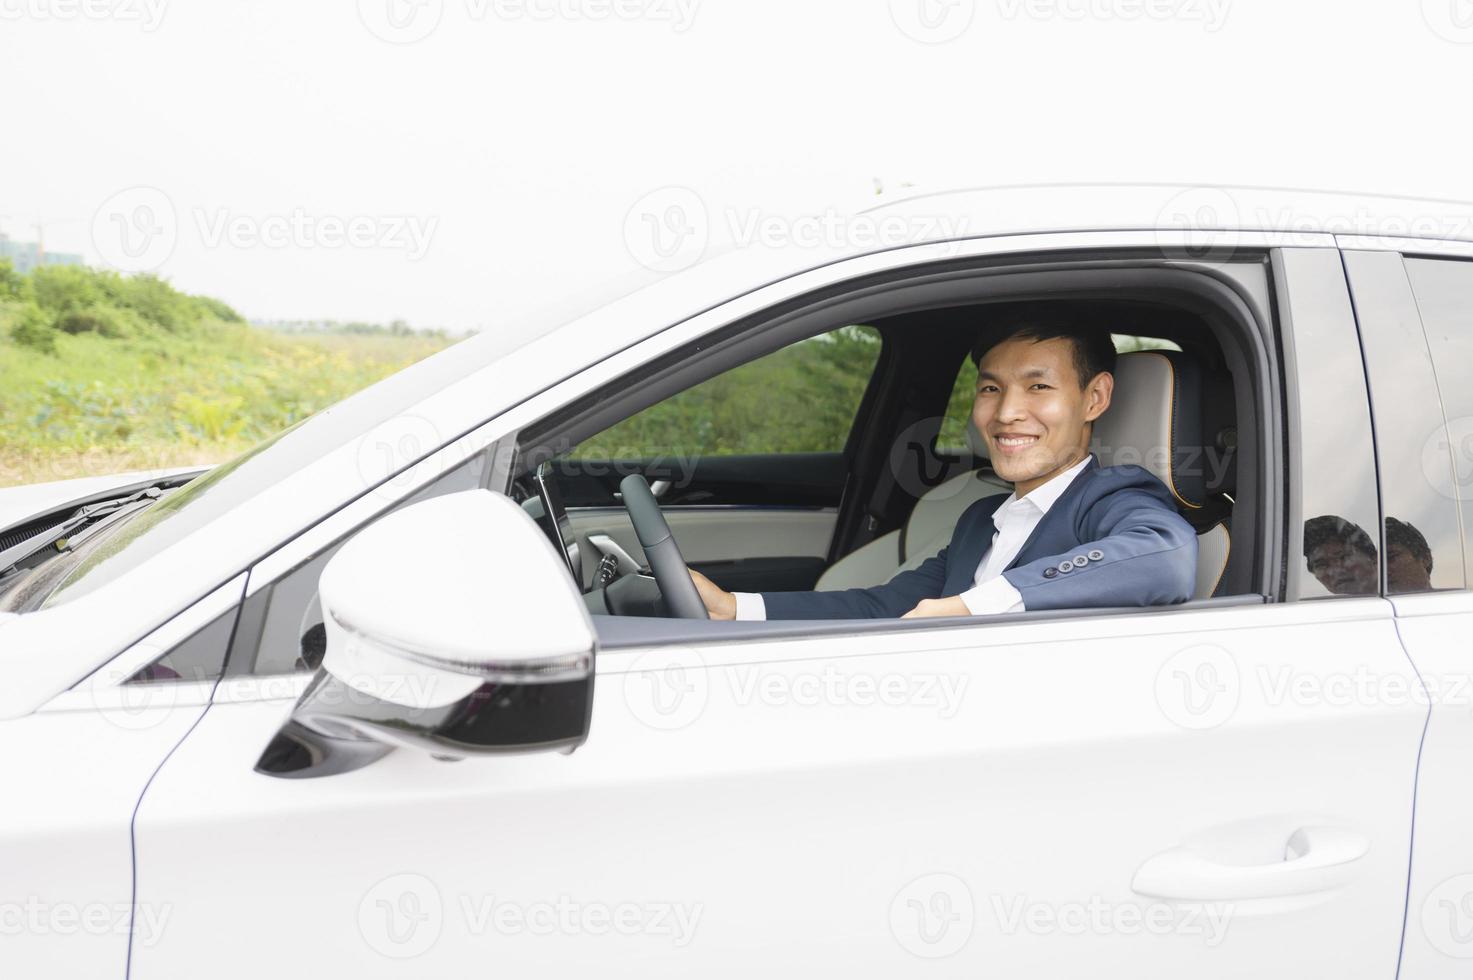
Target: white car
(395, 694)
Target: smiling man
(1072, 534)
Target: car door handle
(1316, 859)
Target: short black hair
(1094, 350)
(1331, 527)
(1403, 535)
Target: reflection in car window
(1444, 291)
(1422, 540)
(1341, 556)
(1337, 476)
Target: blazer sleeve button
(1096, 554)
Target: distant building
(26, 256)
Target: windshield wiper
(59, 536)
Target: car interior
(885, 494)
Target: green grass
(102, 404)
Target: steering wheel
(671, 573)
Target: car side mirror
(453, 627)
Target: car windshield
(211, 495)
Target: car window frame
(496, 436)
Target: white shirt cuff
(750, 605)
(992, 597)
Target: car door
(1167, 792)
(73, 774)
(1416, 320)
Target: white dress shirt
(1014, 519)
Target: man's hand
(950, 606)
(719, 603)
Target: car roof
(1058, 207)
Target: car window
(225, 487)
(1444, 291)
(799, 399)
(1421, 542)
(201, 657)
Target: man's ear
(1097, 395)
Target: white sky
(518, 134)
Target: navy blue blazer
(1113, 538)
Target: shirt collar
(1042, 497)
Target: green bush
(13, 285)
(33, 329)
(102, 320)
(63, 288)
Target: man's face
(1343, 569)
(1032, 412)
(1404, 572)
